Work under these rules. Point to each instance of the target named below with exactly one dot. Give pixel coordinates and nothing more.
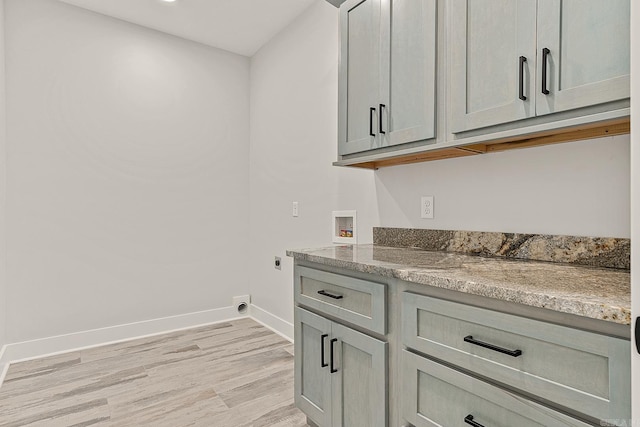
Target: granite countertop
(598, 293)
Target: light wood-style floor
(236, 374)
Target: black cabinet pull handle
(323, 364)
(372, 111)
(469, 420)
(513, 353)
(521, 84)
(332, 369)
(545, 54)
(327, 294)
(382, 107)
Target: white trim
(4, 366)
(271, 321)
(27, 350)
(3, 373)
(50, 346)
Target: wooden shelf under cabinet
(587, 131)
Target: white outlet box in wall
(344, 227)
(426, 207)
(241, 304)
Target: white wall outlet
(294, 210)
(277, 263)
(426, 207)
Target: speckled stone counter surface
(608, 252)
(597, 293)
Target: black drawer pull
(469, 420)
(514, 353)
(521, 78)
(545, 54)
(323, 364)
(327, 294)
(382, 107)
(332, 369)
(372, 111)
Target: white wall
(293, 133)
(635, 202)
(3, 189)
(577, 188)
(127, 172)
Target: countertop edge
(559, 303)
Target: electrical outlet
(277, 263)
(294, 211)
(426, 207)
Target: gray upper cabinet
(493, 49)
(360, 74)
(583, 48)
(424, 80)
(512, 60)
(387, 73)
(410, 93)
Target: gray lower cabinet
(418, 359)
(312, 379)
(355, 301)
(340, 374)
(579, 371)
(512, 60)
(387, 73)
(436, 395)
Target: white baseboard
(49, 346)
(275, 323)
(43, 347)
(4, 366)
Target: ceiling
(239, 26)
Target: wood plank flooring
(237, 373)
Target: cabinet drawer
(435, 395)
(356, 301)
(576, 369)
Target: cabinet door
(359, 82)
(587, 61)
(488, 38)
(408, 114)
(360, 383)
(312, 380)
